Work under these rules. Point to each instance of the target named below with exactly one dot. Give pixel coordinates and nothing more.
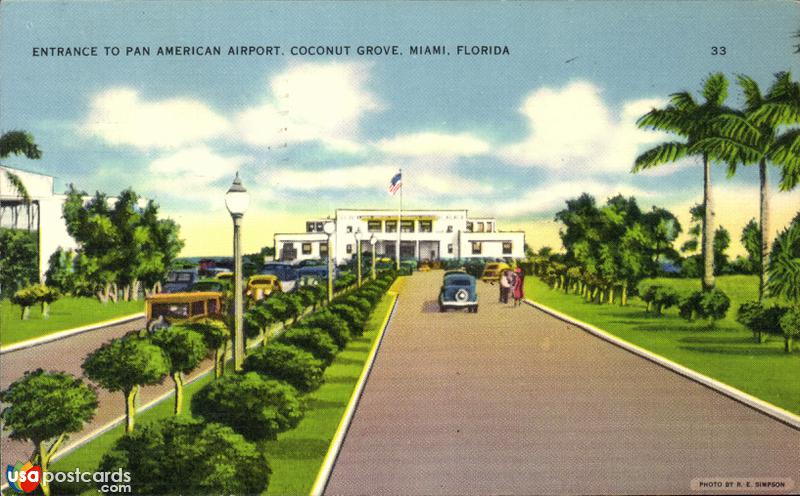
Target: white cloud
(434, 144)
(120, 116)
(308, 102)
(192, 172)
(550, 198)
(423, 181)
(573, 129)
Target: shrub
(255, 407)
(313, 340)
(335, 326)
(359, 303)
(711, 305)
(344, 281)
(287, 363)
(276, 306)
(354, 318)
(760, 320)
(307, 295)
(648, 295)
(211, 459)
(216, 336)
(790, 324)
(664, 297)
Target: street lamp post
(358, 255)
(373, 241)
(237, 199)
(329, 229)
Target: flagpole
(399, 221)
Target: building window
(389, 248)
(507, 247)
(349, 249)
(309, 227)
(425, 226)
(391, 226)
(323, 250)
(349, 229)
(450, 248)
(476, 247)
(469, 226)
(374, 226)
(407, 226)
(306, 248)
(319, 226)
(489, 227)
(480, 227)
(449, 229)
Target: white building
(43, 216)
(425, 235)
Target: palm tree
(19, 143)
(784, 265)
(754, 137)
(693, 122)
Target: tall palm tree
(758, 135)
(693, 122)
(19, 143)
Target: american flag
(397, 183)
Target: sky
(511, 135)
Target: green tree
(313, 340)
(216, 336)
(751, 241)
(790, 324)
(784, 264)
(663, 228)
(125, 365)
(187, 456)
(693, 122)
(722, 241)
(252, 405)
(758, 135)
(185, 348)
(43, 408)
(19, 257)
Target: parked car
(311, 262)
(493, 270)
(211, 284)
(458, 290)
(317, 271)
(306, 280)
(261, 286)
(286, 273)
(180, 280)
(170, 308)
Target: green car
(211, 284)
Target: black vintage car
(458, 291)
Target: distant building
(425, 235)
(43, 217)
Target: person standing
(519, 288)
(505, 286)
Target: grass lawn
(295, 458)
(727, 352)
(66, 313)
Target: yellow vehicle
(170, 308)
(225, 276)
(263, 285)
(493, 270)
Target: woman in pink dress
(519, 291)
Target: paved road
(514, 401)
(67, 355)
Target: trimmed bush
(664, 297)
(761, 320)
(33, 294)
(211, 459)
(313, 340)
(711, 305)
(648, 295)
(790, 324)
(359, 303)
(335, 326)
(287, 363)
(252, 405)
(354, 318)
(372, 294)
